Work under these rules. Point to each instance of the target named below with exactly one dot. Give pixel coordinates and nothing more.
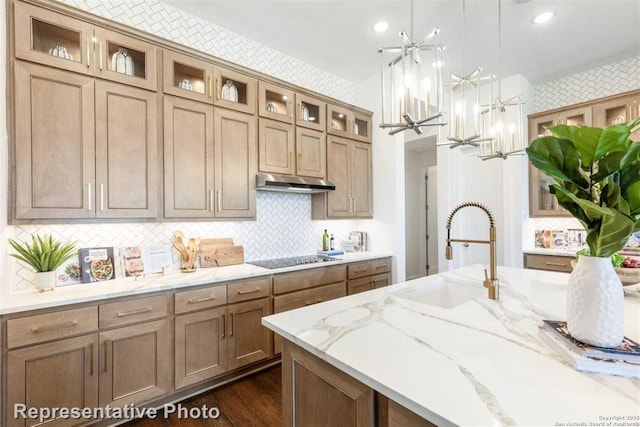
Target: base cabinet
(58, 374)
(137, 363)
(200, 346)
(249, 341)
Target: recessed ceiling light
(381, 27)
(543, 17)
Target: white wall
(387, 227)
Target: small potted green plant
(596, 178)
(44, 255)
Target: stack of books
(623, 360)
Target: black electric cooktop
(290, 262)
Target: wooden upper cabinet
(52, 39)
(361, 180)
(125, 59)
(311, 153)
(235, 90)
(275, 102)
(236, 164)
(137, 363)
(54, 143)
(581, 116)
(59, 374)
(618, 111)
(339, 121)
(188, 159)
(187, 77)
(276, 147)
(338, 172)
(126, 152)
(310, 112)
(361, 127)
(249, 341)
(200, 346)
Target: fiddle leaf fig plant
(596, 175)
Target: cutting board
(210, 245)
(221, 256)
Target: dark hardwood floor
(252, 401)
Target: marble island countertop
(81, 293)
(478, 362)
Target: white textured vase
(595, 303)
(45, 281)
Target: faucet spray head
(449, 253)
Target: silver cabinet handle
(203, 299)
(91, 359)
(219, 200)
(101, 56)
(210, 200)
(46, 328)
(132, 312)
(88, 54)
(89, 195)
(101, 197)
(224, 325)
(249, 291)
(233, 319)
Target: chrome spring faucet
(491, 280)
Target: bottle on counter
(325, 241)
(332, 242)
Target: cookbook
(146, 259)
(96, 264)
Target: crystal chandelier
(410, 84)
(505, 118)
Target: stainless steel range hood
(292, 184)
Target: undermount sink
(442, 293)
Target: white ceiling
(337, 36)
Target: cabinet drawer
(381, 280)
(50, 326)
(133, 311)
(359, 285)
(307, 279)
(308, 297)
(248, 290)
(198, 299)
(369, 268)
(549, 262)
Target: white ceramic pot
(595, 303)
(45, 281)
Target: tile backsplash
(283, 228)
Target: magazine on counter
(96, 264)
(146, 259)
(629, 350)
(69, 273)
(588, 364)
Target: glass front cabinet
(275, 102)
(187, 77)
(234, 90)
(310, 112)
(541, 202)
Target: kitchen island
(440, 348)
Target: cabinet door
(201, 349)
(275, 102)
(59, 374)
(361, 127)
(249, 341)
(188, 159)
(276, 146)
(137, 363)
(541, 202)
(361, 180)
(310, 112)
(316, 394)
(359, 285)
(235, 90)
(311, 149)
(126, 152)
(40, 31)
(236, 164)
(338, 172)
(618, 111)
(125, 59)
(582, 116)
(187, 77)
(339, 121)
(55, 146)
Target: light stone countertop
(87, 292)
(479, 363)
(556, 252)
